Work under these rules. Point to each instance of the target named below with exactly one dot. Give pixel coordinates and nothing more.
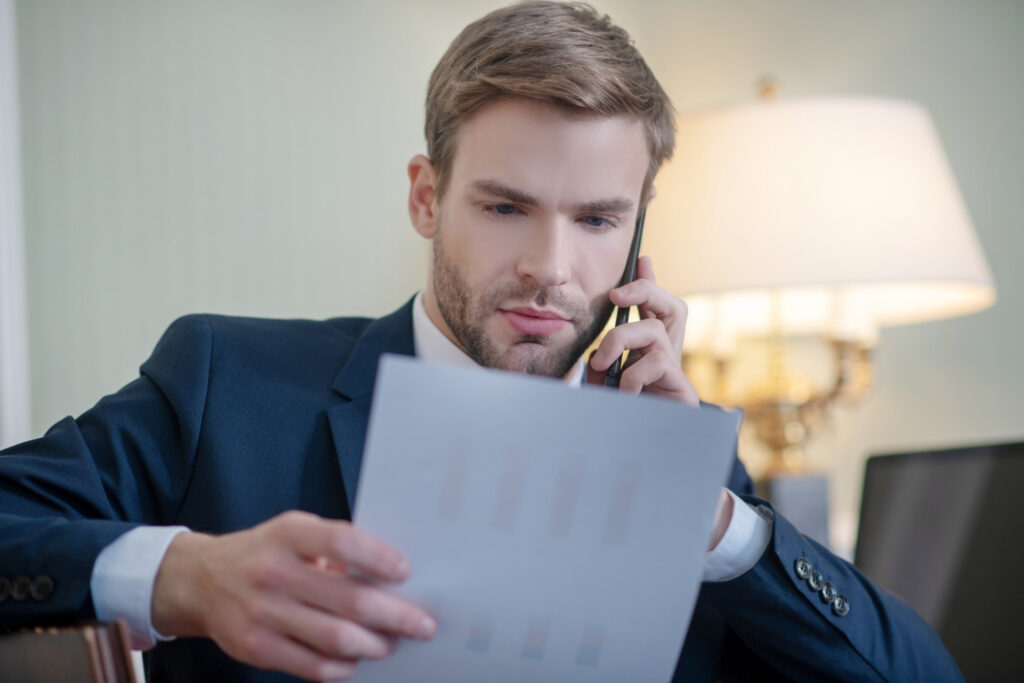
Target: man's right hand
(280, 595)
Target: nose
(545, 254)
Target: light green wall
(248, 157)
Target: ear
(651, 193)
(423, 196)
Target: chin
(534, 358)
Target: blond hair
(565, 54)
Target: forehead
(550, 152)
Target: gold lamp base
(784, 410)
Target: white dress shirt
(125, 571)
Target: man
(545, 129)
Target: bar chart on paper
(557, 534)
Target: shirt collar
(433, 346)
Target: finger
(339, 542)
(363, 603)
(656, 373)
(643, 336)
(268, 650)
(650, 298)
(323, 563)
(645, 269)
(594, 377)
(329, 635)
(654, 302)
(641, 374)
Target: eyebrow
(497, 189)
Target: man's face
(533, 232)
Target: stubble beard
(466, 314)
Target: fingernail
(427, 629)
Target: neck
(434, 313)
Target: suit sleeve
(778, 619)
(125, 462)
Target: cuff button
(20, 588)
(42, 588)
(802, 567)
(828, 592)
(815, 580)
(841, 606)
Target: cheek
(478, 252)
(601, 267)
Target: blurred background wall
(248, 157)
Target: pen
(611, 378)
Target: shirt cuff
(741, 546)
(123, 577)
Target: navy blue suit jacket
(234, 420)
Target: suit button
(841, 606)
(803, 567)
(815, 580)
(5, 588)
(20, 588)
(828, 593)
(42, 588)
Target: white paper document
(557, 533)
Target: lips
(532, 321)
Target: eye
(597, 222)
(501, 209)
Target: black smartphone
(611, 379)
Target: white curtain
(14, 385)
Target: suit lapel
(355, 381)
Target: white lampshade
(830, 216)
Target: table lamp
(784, 219)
